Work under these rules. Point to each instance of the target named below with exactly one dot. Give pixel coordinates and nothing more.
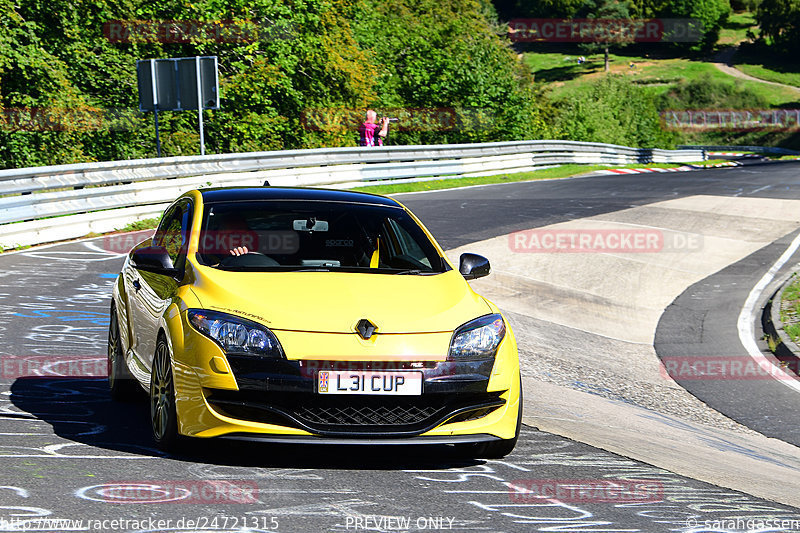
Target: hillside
(300, 74)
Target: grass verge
(563, 171)
(145, 223)
(790, 310)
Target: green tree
(779, 21)
(510, 9)
(306, 55)
(712, 14)
(444, 54)
(617, 30)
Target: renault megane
(310, 316)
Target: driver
(232, 235)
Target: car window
(316, 235)
(173, 232)
(401, 246)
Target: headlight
(235, 334)
(477, 339)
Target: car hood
(334, 302)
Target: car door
(152, 293)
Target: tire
(163, 416)
(121, 383)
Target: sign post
(155, 103)
(200, 107)
(178, 84)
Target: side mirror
(473, 266)
(154, 259)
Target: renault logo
(365, 328)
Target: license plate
(363, 382)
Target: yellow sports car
(310, 316)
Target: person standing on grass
(367, 130)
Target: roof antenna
(266, 183)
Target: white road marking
(71, 255)
(746, 322)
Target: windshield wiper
(415, 272)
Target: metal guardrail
(99, 197)
(756, 149)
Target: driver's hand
(240, 250)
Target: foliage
(614, 110)
(779, 21)
(617, 10)
(706, 92)
(712, 13)
(543, 9)
(441, 54)
(69, 91)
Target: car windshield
(271, 235)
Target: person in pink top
(367, 131)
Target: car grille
(388, 416)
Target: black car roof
(238, 194)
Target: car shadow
(80, 410)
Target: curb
(737, 154)
(639, 170)
(784, 348)
(716, 165)
(685, 168)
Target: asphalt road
(701, 325)
(67, 452)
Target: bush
(706, 92)
(614, 110)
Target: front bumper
(250, 397)
(311, 439)
(283, 393)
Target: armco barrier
(98, 197)
(770, 150)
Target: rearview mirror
(154, 259)
(310, 224)
(473, 266)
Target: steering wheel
(250, 259)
